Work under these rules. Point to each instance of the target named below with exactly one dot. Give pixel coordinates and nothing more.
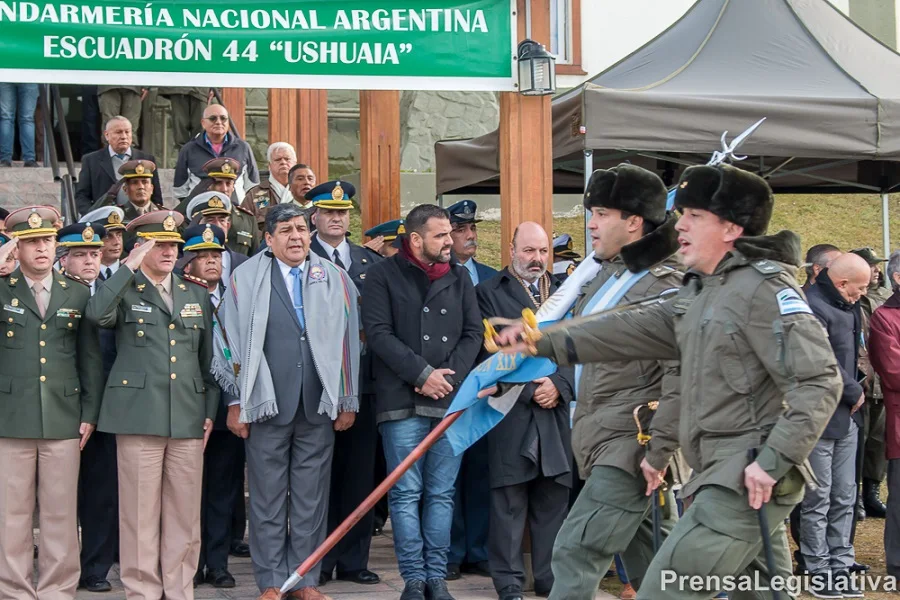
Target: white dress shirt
(288, 278)
(343, 250)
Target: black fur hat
(733, 194)
(628, 188)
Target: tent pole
(886, 223)
(588, 170)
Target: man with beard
(273, 188)
(353, 464)
(422, 321)
(758, 381)
(50, 380)
(528, 451)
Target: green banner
(332, 44)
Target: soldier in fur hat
(758, 382)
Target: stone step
(21, 186)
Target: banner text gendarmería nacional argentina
(330, 44)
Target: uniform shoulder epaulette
(68, 275)
(243, 210)
(196, 280)
(767, 268)
(660, 271)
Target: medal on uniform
(192, 309)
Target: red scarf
(434, 271)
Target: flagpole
(369, 502)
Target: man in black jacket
(826, 514)
(100, 169)
(353, 461)
(422, 321)
(528, 451)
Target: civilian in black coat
(353, 461)
(99, 170)
(422, 322)
(528, 451)
(826, 513)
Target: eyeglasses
(216, 118)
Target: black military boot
(875, 508)
(860, 507)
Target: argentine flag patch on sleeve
(790, 302)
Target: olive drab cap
(222, 168)
(159, 225)
(32, 222)
(135, 169)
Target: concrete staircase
(20, 186)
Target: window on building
(565, 36)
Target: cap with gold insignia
(332, 195)
(137, 168)
(463, 213)
(109, 217)
(390, 230)
(868, 255)
(159, 225)
(563, 248)
(208, 204)
(32, 222)
(204, 237)
(222, 168)
(81, 235)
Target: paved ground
(382, 561)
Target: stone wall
(425, 117)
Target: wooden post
(300, 118)
(235, 100)
(526, 147)
(379, 142)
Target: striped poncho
(331, 313)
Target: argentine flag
(482, 414)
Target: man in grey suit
(293, 328)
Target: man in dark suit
(98, 495)
(100, 169)
(204, 250)
(469, 535)
(353, 463)
(530, 473)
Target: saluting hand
(375, 244)
(7, 249)
(759, 485)
(85, 430)
(136, 257)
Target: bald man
(826, 514)
(528, 452)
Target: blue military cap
(81, 235)
(333, 195)
(463, 212)
(390, 230)
(204, 237)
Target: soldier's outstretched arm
(103, 307)
(645, 333)
(793, 347)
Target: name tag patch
(141, 309)
(192, 310)
(13, 309)
(790, 302)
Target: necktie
(337, 260)
(167, 298)
(122, 157)
(108, 273)
(40, 297)
(296, 273)
(536, 294)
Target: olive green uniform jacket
(604, 431)
(51, 370)
(160, 383)
(757, 371)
